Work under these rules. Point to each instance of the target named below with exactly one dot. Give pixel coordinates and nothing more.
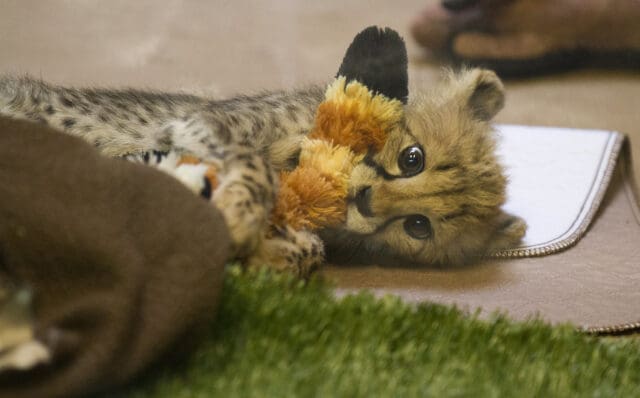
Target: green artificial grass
(278, 337)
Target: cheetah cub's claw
(285, 249)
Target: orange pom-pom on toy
(350, 122)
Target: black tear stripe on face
(385, 224)
(380, 171)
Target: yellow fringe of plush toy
(353, 116)
(350, 122)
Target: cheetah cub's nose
(363, 201)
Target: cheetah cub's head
(433, 194)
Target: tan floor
(225, 47)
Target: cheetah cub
(431, 196)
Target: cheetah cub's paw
(288, 250)
(245, 219)
(245, 196)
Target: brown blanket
(120, 261)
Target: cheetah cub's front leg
(245, 195)
(244, 189)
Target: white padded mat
(557, 178)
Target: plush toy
(351, 121)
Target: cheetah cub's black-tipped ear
(377, 58)
(480, 91)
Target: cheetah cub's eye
(418, 227)
(411, 161)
